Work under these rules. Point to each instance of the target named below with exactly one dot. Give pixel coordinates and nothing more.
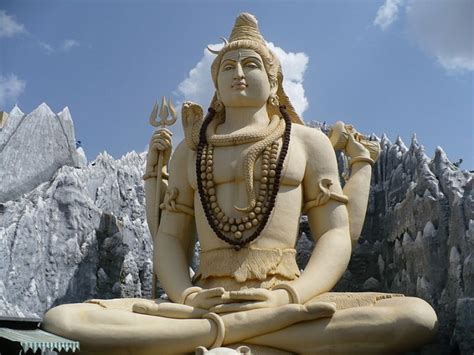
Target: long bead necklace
(257, 218)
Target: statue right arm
(175, 236)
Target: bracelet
(220, 328)
(361, 159)
(294, 298)
(189, 291)
(153, 174)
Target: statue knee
(60, 319)
(419, 320)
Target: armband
(324, 196)
(153, 174)
(294, 298)
(169, 203)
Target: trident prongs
(165, 111)
(174, 116)
(154, 115)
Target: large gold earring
(273, 100)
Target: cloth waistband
(248, 264)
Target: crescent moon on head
(213, 51)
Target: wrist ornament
(220, 328)
(188, 292)
(294, 298)
(361, 159)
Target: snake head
(191, 113)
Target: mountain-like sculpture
(82, 234)
(33, 147)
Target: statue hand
(252, 298)
(168, 310)
(160, 142)
(354, 148)
(207, 299)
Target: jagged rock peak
(441, 159)
(401, 144)
(16, 111)
(418, 150)
(33, 148)
(104, 158)
(65, 112)
(384, 141)
(42, 109)
(440, 155)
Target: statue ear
(200, 350)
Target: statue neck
(243, 119)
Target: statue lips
(239, 85)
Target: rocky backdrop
(72, 230)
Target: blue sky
(388, 66)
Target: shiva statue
(239, 183)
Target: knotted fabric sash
(248, 264)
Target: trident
(162, 123)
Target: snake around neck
(258, 211)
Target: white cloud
(444, 29)
(294, 67)
(8, 26)
(68, 44)
(198, 86)
(65, 46)
(387, 14)
(47, 47)
(10, 88)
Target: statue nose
(239, 72)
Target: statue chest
(230, 166)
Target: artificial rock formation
(418, 238)
(33, 147)
(81, 234)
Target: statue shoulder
(180, 156)
(313, 141)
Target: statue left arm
(328, 219)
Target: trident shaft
(167, 118)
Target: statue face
(242, 80)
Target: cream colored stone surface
(254, 296)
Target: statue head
(246, 45)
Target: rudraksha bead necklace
(257, 218)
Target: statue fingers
(249, 295)
(215, 301)
(162, 136)
(320, 309)
(163, 131)
(212, 292)
(162, 140)
(159, 146)
(354, 148)
(238, 307)
(169, 310)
